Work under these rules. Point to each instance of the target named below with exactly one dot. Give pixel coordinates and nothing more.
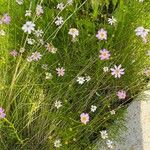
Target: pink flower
(104, 54)
(117, 71)
(60, 71)
(36, 56)
(6, 19)
(121, 94)
(2, 114)
(84, 117)
(102, 34)
(14, 53)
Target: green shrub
(43, 105)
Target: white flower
(141, 31)
(59, 21)
(87, 78)
(30, 41)
(141, 0)
(148, 53)
(39, 10)
(29, 59)
(80, 80)
(20, 2)
(2, 33)
(57, 143)
(50, 48)
(48, 75)
(104, 134)
(28, 13)
(58, 104)
(109, 144)
(73, 32)
(105, 69)
(28, 27)
(112, 112)
(60, 6)
(70, 2)
(38, 32)
(22, 50)
(45, 66)
(112, 21)
(41, 41)
(93, 108)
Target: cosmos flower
(117, 71)
(60, 71)
(60, 6)
(51, 48)
(39, 10)
(2, 114)
(59, 21)
(28, 27)
(112, 21)
(80, 80)
(102, 34)
(104, 54)
(14, 53)
(6, 19)
(104, 134)
(73, 32)
(84, 117)
(58, 104)
(93, 108)
(36, 56)
(121, 94)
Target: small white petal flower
(28, 27)
(93, 108)
(38, 33)
(112, 112)
(39, 10)
(141, 1)
(87, 78)
(73, 32)
(70, 2)
(81, 80)
(58, 104)
(60, 6)
(28, 13)
(22, 50)
(2, 33)
(48, 76)
(105, 69)
(20, 2)
(104, 134)
(57, 143)
(109, 144)
(112, 21)
(30, 41)
(148, 53)
(59, 21)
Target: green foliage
(28, 98)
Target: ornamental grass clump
(68, 71)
